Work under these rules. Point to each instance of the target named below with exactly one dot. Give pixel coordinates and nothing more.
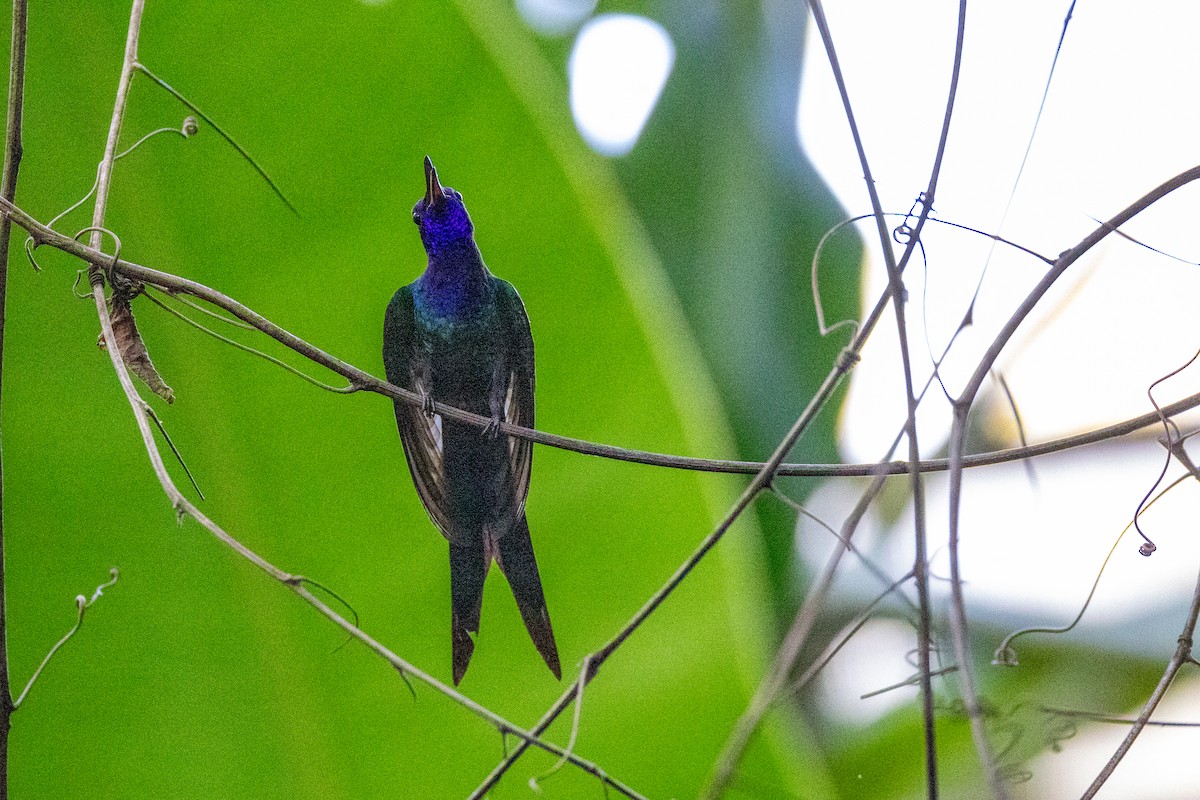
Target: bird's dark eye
(417, 217)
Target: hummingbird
(459, 335)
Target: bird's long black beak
(433, 190)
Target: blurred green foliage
(196, 676)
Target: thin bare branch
(104, 172)
(896, 283)
(8, 189)
(176, 285)
(848, 631)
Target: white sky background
(1121, 117)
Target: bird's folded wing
(518, 401)
(421, 434)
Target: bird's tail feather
(517, 561)
(468, 568)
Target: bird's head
(440, 215)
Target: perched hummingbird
(460, 336)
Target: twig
(8, 188)
(841, 641)
(877, 571)
(247, 349)
(908, 682)
(1006, 656)
(186, 131)
(815, 267)
(1151, 248)
(82, 604)
(1171, 442)
(920, 556)
(1061, 264)
(1092, 716)
(104, 171)
(534, 782)
(1181, 656)
(220, 131)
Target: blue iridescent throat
(455, 285)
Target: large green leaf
(197, 676)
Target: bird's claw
(427, 404)
(492, 429)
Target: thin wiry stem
(921, 565)
(104, 172)
(895, 281)
(8, 189)
(185, 131)
(1182, 655)
(815, 267)
(1061, 264)
(1006, 655)
(221, 132)
(82, 604)
(246, 348)
(1092, 716)
(843, 639)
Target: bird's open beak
(433, 190)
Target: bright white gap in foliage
(617, 71)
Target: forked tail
(517, 561)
